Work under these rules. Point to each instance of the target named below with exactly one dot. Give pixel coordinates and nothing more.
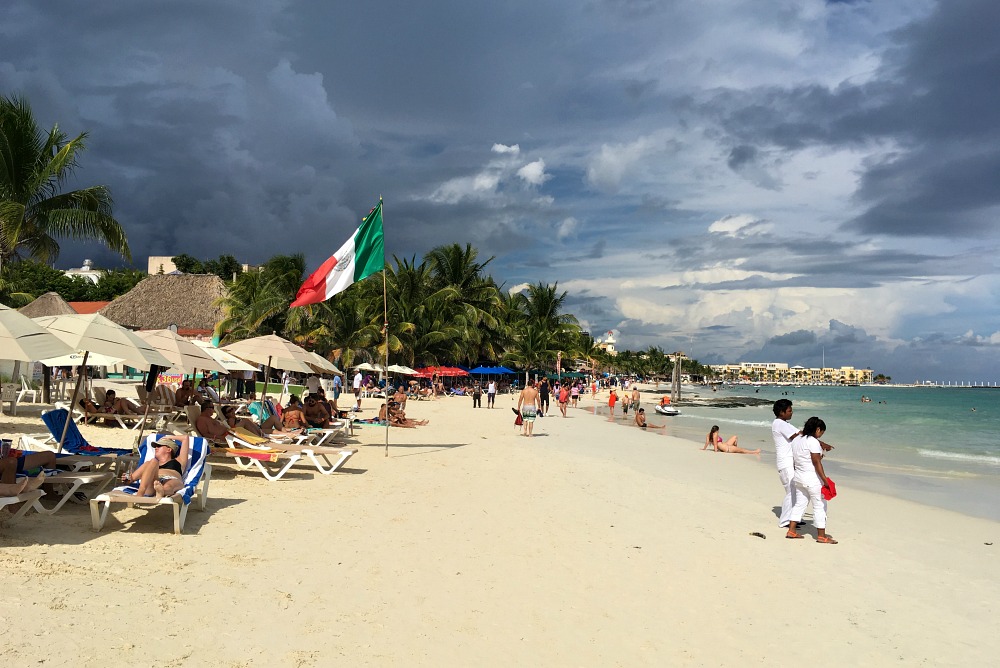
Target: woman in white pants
(809, 480)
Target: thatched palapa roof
(51, 303)
(161, 300)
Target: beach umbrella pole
(72, 402)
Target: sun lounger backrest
(75, 443)
(55, 420)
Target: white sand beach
(592, 544)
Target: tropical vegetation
(25, 280)
(35, 209)
(444, 309)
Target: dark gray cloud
(858, 141)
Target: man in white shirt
(491, 393)
(783, 432)
(312, 384)
(357, 389)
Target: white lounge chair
(26, 390)
(27, 498)
(197, 475)
(72, 481)
(318, 455)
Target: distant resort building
(86, 271)
(779, 372)
(608, 344)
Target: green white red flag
(361, 256)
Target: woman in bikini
(293, 417)
(163, 475)
(714, 440)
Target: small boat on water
(666, 410)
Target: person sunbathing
(398, 419)
(20, 461)
(293, 417)
(270, 426)
(185, 395)
(400, 397)
(316, 413)
(163, 474)
(118, 405)
(715, 440)
(207, 426)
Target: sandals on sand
(826, 539)
(792, 534)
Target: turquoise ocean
(934, 445)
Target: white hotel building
(779, 372)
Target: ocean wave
(724, 420)
(961, 456)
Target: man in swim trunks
(640, 420)
(527, 406)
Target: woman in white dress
(809, 480)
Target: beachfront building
(608, 344)
(778, 372)
(87, 271)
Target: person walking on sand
(491, 393)
(714, 440)
(356, 386)
(612, 400)
(809, 480)
(543, 397)
(563, 399)
(782, 431)
(527, 406)
(635, 397)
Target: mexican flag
(361, 256)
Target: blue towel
(75, 443)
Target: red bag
(518, 421)
(829, 490)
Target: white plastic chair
(26, 390)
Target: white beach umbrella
(272, 351)
(76, 359)
(229, 362)
(23, 339)
(323, 365)
(93, 333)
(183, 354)
(365, 366)
(96, 334)
(404, 370)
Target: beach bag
(518, 420)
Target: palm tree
(34, 165)
(346, 326)
(257, 301)
(532, 349)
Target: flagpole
(385, 329)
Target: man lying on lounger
(208, 426)
(17, 461)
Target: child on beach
(809, 480)
(714, 440)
